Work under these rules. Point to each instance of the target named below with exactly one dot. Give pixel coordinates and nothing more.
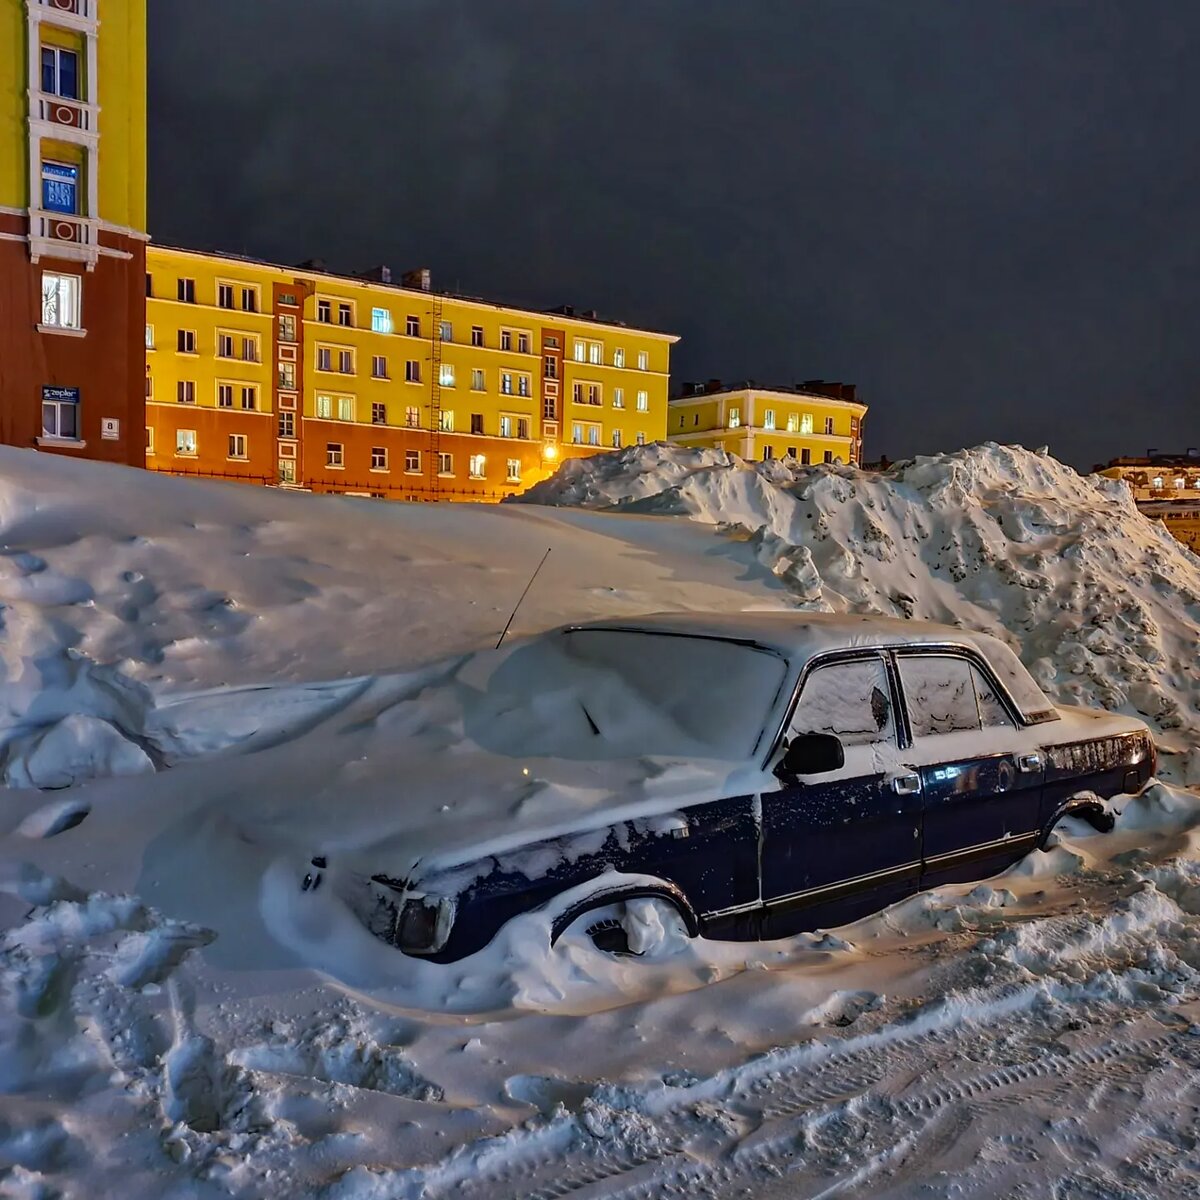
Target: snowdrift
(1102, 604)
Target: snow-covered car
(744, 776)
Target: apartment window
(522, 385)
(287, 375)
(346, 362)
(735, 417)
(793, 423)
(476, 335)
(287, 327)
(60, 72)
(412, 462)
(595, 352)
(149, 439)
(506, 383)
(149, 285)
(412, 326)
(249, 299)
(249, 398)
(412, 417)
(224, 345)
(149, 385)
(643, 401)
(618, 397)
(523, 427)
(324, 358)
(513, 470)
(551, 343)
(478, 382)
(60, 416)
(381, 320)
(593, 394)
(379, 458)
(618, 357)
(576, 433)
(445, 463)
(577, 393)
(287, 470)
(768, 452)
(224, 295)
(522, 343)
(249, 349)
(60, 304)
(681, 420)
(643, 362)
(60, 187)
(550, 367)
(477, 466)
(805, 455)
(579, 351)
(768, 420)
(506, 339)
(695, 419)
(828, 424)
(324, 312)
(186, 291)
(185, 441)
(447, 420)
(412, 371)
(477, 422)
(806, 423)
(345, 408)
(345, 315)
(828, 456)
(287, 424)
(378, 413)
(224, 395)
(549, 408)
(446, 375)
(335, 454)
(616, 439)
(447, 331)
(379, 366)
(506, 426)
(641, 439)
(185, 342)
(185, 391)
(325, 407)
(237, 445)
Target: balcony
(66, 115)
(63, 235)
(75, 14)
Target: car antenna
(525, 593)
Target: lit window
(447, 375)
(576, 433)
(224, 295)
(379, 458)
(1157, 481)
(643, 364)
(185, 391)
(60, 412)
(478, 383)
(768, 420)
(806, 423)
(224, 345)
(506, 426)
(224, 395)
(447, 424)
(618, 397)
(476, 466)
(381, 320)
(643, 402)
(379, 366)
(618, 357)
(412, 326)
(412, 417)
(60, 303)
(476, 335)
(412, 371)
(324, 312)
(60, 187)
(287, 327)
(378, 413)
(249, 398)
(334, 454)
(580, 351)
(149, 439)
(514, 470)
(287, 470)
(325, 407)
(185, 441)
(237, 445)
(287, 376)
(445, 463)
(522, 385)
(595, 352)
(793, 423)
(641, 439)
(60, 72)
(616, 439)
(447, 331)
(506, 383)
(149, 337)
(593, 435)
(412, 462)
(735, 417)
(345, 408)
(1179, 481)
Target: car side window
(948, 695)
(851, 700)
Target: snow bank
(1102, 604)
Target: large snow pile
(1101, 603)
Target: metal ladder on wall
(435, 398)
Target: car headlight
(423, 924)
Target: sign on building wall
(110, 429)
(65, 395)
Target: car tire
(649, 927)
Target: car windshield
(1034, 706)
(601, 693)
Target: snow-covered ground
(209, 676)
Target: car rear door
(981, 772)
(838, 845)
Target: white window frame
(182, 449)
(381, 320)
(61, 301)
(477, 466)
(335, 456)
(512, 470)
(380, 466)
(412, 462)
(237, 440)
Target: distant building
(1166, 487)
(812, 422)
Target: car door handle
(906, 785)
(1029, 762)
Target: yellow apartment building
(814, 422)
(1165, 487)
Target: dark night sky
(984, 212)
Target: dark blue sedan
(745, 776)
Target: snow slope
(222, 673)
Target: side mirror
(811, 754)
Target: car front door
(981, 773)
(847, 842)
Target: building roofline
(476, 301)
(790, 394)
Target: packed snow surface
(199, 682)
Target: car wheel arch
(615, 893)
(1085, 805)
